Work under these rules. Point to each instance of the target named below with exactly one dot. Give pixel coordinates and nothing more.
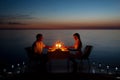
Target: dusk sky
(64, 14)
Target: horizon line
(98, 28)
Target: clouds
(18, 19)
(17, 16)
(12, 23)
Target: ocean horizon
(106, 43)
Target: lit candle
(59, 45)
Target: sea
(106, 44)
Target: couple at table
(38, 47)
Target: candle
(58, 44)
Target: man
(38, 45)
(39, 55)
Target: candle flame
(58, 45)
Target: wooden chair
(36, 62)
(31, 58)
(86, 55)
(30, 54)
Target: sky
(60, 14)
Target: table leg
(50, 65)
(68, 62)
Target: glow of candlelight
(58, 45)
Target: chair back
(30, 53)
(87, 52)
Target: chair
(86, 54)
(32, 58)
(30, 54)
(36, 62)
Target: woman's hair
(77, 34)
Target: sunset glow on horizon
(59, 14)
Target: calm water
(106, 43)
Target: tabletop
(58, 54)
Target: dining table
(58, 54)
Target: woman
(76, 49)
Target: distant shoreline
(59, 28)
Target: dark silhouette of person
(39, 55)
(75, 50)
